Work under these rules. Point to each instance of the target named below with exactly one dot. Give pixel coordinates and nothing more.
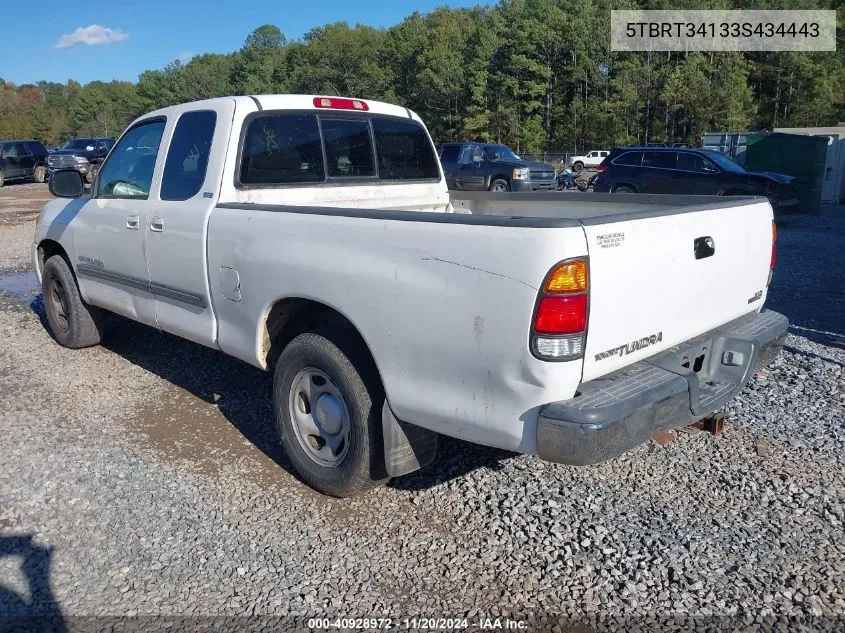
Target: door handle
(132, 222)
(157, 225)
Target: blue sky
(148, 35)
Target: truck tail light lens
(560, 317)
(774, 246)
(601, 167)
(338, 103)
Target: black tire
(500, 185)
(624, 189)
(73, 323)
(340, 355)
(578, 166)
(39, 174)
(2, 178)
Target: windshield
(77, 143)
(500, 152)
(725, 163)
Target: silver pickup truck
(315, 237)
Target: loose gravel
(143, 477)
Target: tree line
(533, 74)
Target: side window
(694, 162)
(629, 158)
(10, 151)
(187, 156)
(403, 150)
(128, 172)
(468, 152)
(450, 153)
(663, 160)
(282, 149)
(348, 148)
(21, 149)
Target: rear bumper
(617, 412)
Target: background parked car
(591, 159)
(485, 166)
(83, 154)
(688, 171)
(23, 159)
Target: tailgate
(654, 282)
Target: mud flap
(406, 447)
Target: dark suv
(488, 167)
(688, 171)
(20, 160)
(85, 155)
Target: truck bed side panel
(445, 307)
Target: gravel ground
(143, 478)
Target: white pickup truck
(315, 237)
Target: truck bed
(589, 207)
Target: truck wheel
(328, 401)
(39, 174)
(500, 186)
(2, 178)
(623, 189)
(73, 323)
(89, 177)
(578, 166)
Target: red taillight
(774, 247)
(601, 167)
(338, 103)
(561, 315)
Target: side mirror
(66, 183)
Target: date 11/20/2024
(418, 623)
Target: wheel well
(291, 316)
(48, 248)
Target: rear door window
(629, 158)
(662, 160)
(187, 156)
(403, 150)
(349, 151)
(282, 149)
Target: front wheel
(92, 173)
(582, 185)
(39, 175)
(500, 186)
(2, 178)
(623, 189)
(73, 323)
(328, 401)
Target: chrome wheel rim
(500, 188)
(319, 416)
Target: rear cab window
(281, 148)
(187, 156)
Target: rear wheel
(624, 189)
(73, 323)
(2, 178)
(39, 174)
(500, 185)
(328, 401)
(578, 166)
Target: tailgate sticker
(610, 240)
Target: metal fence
(552, 158)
